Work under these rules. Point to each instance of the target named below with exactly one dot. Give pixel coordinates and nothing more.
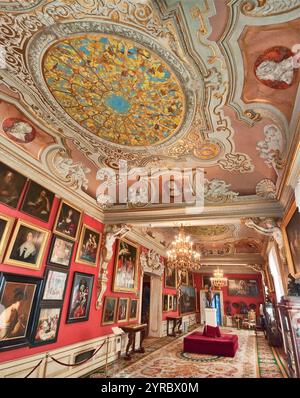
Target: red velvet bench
(226, 345)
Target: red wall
(73, 332)
(248, 300)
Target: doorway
(146, 300)
(217, 305)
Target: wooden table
(177, 321)
(132, 330)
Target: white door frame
(202, 305)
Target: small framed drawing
(27, 246)
(6, 226)
(68, 220)
(19, 298)
(55, 284)
(38, 201)
(165, 302)
(133, 312)
(47, 325)
(60, 252)
(170, 302)
(122, 313)
(80, 298)
(89, 246)
(109, 311)
(12, 186)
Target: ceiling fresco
(160, 84)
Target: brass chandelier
(182, 256)
(218, 280)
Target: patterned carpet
(254, 359)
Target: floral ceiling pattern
(116, 89)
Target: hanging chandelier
(218, 280)
(182, 256)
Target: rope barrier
(79, 363)
(34, 369)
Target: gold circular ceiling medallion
(115, 88)
(207, 150)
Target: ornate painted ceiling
(207, 84)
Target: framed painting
(206, 282)
(170, 277)
(170, 302)
(184, 278)
(68, 220)
(19, 297)
(134, 307)
(27, 246)
(174, 303)
(187, 302)
(12, 186)
(190, 279)
(46, 325)
(109, 311)
(6, 226)
(165, 299)
(60, 252)
(122, 313)
(54, 284)
(80, 298)
(291, 235)
(126, 267)
(37, 202)
(243, 287)
(89, 246)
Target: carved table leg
(174, 326)
(141, 350)
(130, 341)
(179, 325)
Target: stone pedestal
(211, 316)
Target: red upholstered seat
(226, 345)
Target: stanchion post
(106, 356)
(45, 366)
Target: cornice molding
(236, 259)
(146, 241)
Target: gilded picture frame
(123, 305)
(292, 250)
(109, 310)
(82, 256)
(68, 221)
(133, 312)
(126, 262)
(27, 246)
(6, 226)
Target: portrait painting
(37, 201)
(122, 313)
(80, 298)
(109, 311)
(243, 287)
(6, 226)
(18, 300)
(190, 279)
(47, 325)
(184, 277)
(27, 246)
(133, 312)
(60, 252)
(126, 267)
(170, 302)
(170, 277)
(187, 303)
(19, 130)
(206, 282)
(11, 187)
(165, 302)
(292, 232)
(55, 284)
(68, 221)
(89, 246)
